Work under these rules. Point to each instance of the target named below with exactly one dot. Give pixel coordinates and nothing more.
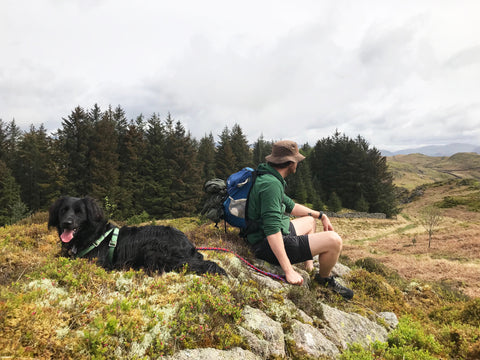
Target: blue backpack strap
(251, 225)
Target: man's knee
(327, 241)
(335, 240)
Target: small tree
(430, 218)
(361, 204)
(334, 203)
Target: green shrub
(362, 204)
(334, 203)
(471, 313)
(355, 351)
(410, 334)
(448, 202)
(138, 219)
(460, 341)
(306, 300)
(207, 307)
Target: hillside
(52, 307)
(402, 244)
(436, 150)
(412, 170)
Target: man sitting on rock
(280, 241)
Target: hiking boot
(331, 283)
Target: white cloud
(399, 74)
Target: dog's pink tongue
(67, 235)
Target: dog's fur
(153, 248)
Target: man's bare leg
(304, 226)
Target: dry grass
(454, 255)
(52, 307)
(416, 169)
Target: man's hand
(294, 278)
(327, 225)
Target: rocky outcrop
(307, 340)
(283, 331)
(264, 335)
(269, 339)
(214, 354)
(348, 328)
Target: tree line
(154, 166)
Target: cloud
(466, 57)
(399, 75)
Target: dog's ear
(94, 211)
(53, 218)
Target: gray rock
(304, 317)
(346, 328)
(340, 270)
(390, 319)
(309, 341)
(267, 282)
(213, 354)
(264, 335)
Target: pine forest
(154, 168)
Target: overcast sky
(398, 73)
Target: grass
(53, 307)
(413, 170)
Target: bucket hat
(284, 151)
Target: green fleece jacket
(268, 205)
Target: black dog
(81, 223)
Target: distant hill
(412, 170)
(436, 150)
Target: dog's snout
(67, 223)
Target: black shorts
(297, 248)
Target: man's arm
(276, 244)
(301, 210)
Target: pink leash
(273, 276)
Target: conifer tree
(94, 115)
(156, 181)
(13, 136)
(261, 149)
(380, 190)
(132, 147)
(206, 157)
(104, 157)
(351, 169)
(361, 204)
(9, 194)
(181, 155)
(300, 185)
(56, 170)
(3, 140)
(240, 148)
(75, 138)
(34, 161)
(334, 202)
(120, 119)
(225, 158)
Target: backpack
(233, 208)
(216, 193)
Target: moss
(54, 307)
(205, 314)
(306, 300)
(374, 292)
(471, 313)
(374, 266)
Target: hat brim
(283, 159)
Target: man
(282, 241)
